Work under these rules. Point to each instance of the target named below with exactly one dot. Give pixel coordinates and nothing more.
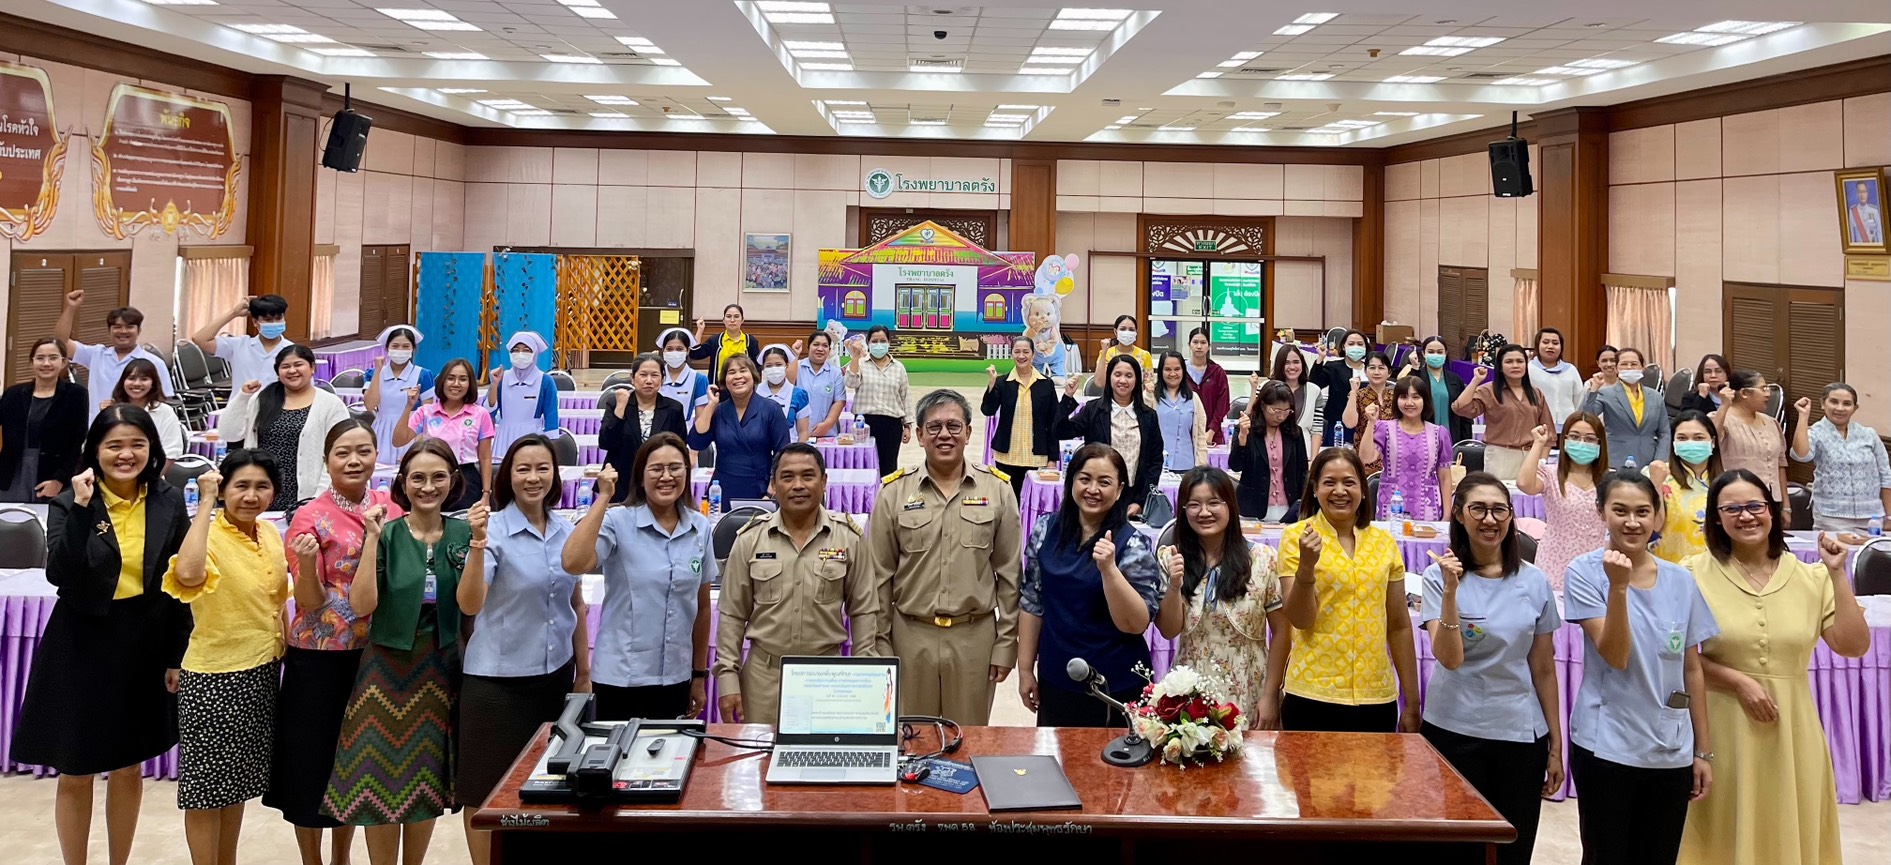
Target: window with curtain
(1641, 314)
(322, 294)
(214, 280)
(1524, 317)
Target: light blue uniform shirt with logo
(823, 388)
(1622, 716)
(1175, 417)
(526, 626)
(646, 633)
(1492, 695)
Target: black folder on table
(1033, 783)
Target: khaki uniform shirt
(947, 554)
(791, 601)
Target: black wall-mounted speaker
(1510, 168)
(347, 140)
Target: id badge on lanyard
(431, 591)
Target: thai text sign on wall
(166, 160)
(32, 152)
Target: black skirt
(498, 717)
(95, 699)
(316, 686)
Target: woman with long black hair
(289, 419)
(1122, 419)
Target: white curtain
(1643, 318)
(211, 287)
(322, 298)
(1526, 314)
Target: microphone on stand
(1129, 749)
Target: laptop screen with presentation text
(850, 701)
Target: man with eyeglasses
(793, 581)
(944, 539)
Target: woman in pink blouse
(325, 637)
(1572, 524)
(1750, 438)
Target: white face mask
(399, 355)
(1630, 376)
(522, 359)
(675, 359)
(1126, 337)
(775, 375)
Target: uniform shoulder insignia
(997, 473)
(753, 525)
(896, 475)
(843, 521)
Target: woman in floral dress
(1572, 525)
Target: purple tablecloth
(570, 399)
(859, 455)
(339, 359)
(849, 491)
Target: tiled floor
(26, 836)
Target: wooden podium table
(1289, 798)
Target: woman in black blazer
(638, 414)
(1339, 376)
(1093, 424)
(1271, 409)
(102, 693)
(42, 423)
(1430, 363)
(1703, 393)
(1038, 447)
(731, 342)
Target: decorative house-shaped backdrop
(942, 294)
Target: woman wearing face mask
(1270, 454)
(1025, 403)
(775, 387)
(531, 646)
(636, 415)
(658, 562)
(1491, 707)
(747, 432)
(327, 538)
(397, 383)
(1605, 364)
(1511, 409)
(1223, 598)
(1571, 524)
(680, 382)
(399, 731)
(138, 385)
(1124, 343)
(523, 399)
(820, 377)
(230, 572)
(1636, 416)
(880, 395)
(1709, 377)
(1122, 420)
(42, 423)
(1089, 590)
(1774, 798)
(1683, 480)
(1556, 379)
(454, 418)
(1417, 453)
(1340, 376)
(1849, 468)
(1353, 656)
(1638, 733)
(1428, 363)
(289, 419)
(730, 343)
(100, 694)
(1292, 369)
(1211, 384)
(1373, 397)
(1183, 419)
(1750, 438)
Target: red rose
(1196, 708)
(1228, 715)
(1170, 708)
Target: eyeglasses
(1481, 512)
(665, 471)
(948, 427)
(1752, 508)
(1593, 440)
(1193, 508)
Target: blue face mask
(1435, 361)
(1694, 453)
(878, 349)
(272, 329)
(1581, 453)
(1356, 352)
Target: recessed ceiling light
(666, 61)
(1081, 24)
(843, 102)
(857, 120)
(720, 99)
(1253, 115)
(301, 38)
(1316, 18)
(1095, 14)
(739, 112)
(1600, 63)
(608, 114)
(1127, 118)
(456, 55)
(1466, 41)
(1395, 114)
(417, 14)
(1524, 81)
(1045, 70)
(531, 112)
(1008, 118)
(269, 29)
(946, 69)
(1435, 51)
(343, 52)
(796, 13)
(1708, 39)
(1053, 59)
(828, 67)
(1251, 129)
(1246, 55)
(820, 55)
(925, 123)
(456, 91)
(784, 6)
(814, 46)
(1178, 129)
(1112, 126)
(505, 104)
(1232, 64)
(592, 12)
(1062, 52)
(1209, 75)
(610, 99)
(1356, 124)
(1564, 70)
(1304, 76)
(182, 2)
(636, 42)
(1750, 28)
(1415, 79)
(1294, 30)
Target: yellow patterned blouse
(1344, 659)
(1685, 514)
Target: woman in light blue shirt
(1491, 706)
(820, 376)
(776, 388)
(529, 647)
(652, 656)
(1639, 746)
(1180, 416)
(681, 383)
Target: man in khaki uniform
(944, 540)
(793, 580)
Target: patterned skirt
(226, 731)
(394, 760)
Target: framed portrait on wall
(1861, 210)
(765, 262)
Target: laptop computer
(839, 722)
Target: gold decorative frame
(22, 224)
(120, 224)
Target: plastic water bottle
(585, 493)
(1395, 512)
(860, 428)
(221, 449)
(190, 495)
(1339, 436)
(1629, 464)
(715, 498)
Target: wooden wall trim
(223, 251)
(1631, 281)
(1476, 141)
(1369, 254)
(329, 249)
(1529, 273)
(58, 44)
(1033, 226)
(1822, 84)
(285, 125)
(1573, 226)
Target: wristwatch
(1704, 755)
(699, 674)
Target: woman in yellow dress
(1683, 480)
(1774, 800)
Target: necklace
(1747, 574)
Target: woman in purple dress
(1417, 452)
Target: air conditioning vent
(384, 49)
(1293, 128)
(1486, 76)
(926, 118)
(934, 63)
(1257, 70)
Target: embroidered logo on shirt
(695, 566)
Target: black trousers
(1057, 707)
(1312, 716)
(1629, 815)
(886, 439)
(1509, 774)
(1017, 474)
(651, 702)
(473, 489)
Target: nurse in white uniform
(523, 398)
(384, 390)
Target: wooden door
(373, 274)
(386, 289)
(1451, 308)
(39, 284)
(1792, 335)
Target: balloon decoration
(1043, 312)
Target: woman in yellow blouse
(232, 573)
(1124, 343)
(1346, 601)
(1773, 798)
(1683, 478)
